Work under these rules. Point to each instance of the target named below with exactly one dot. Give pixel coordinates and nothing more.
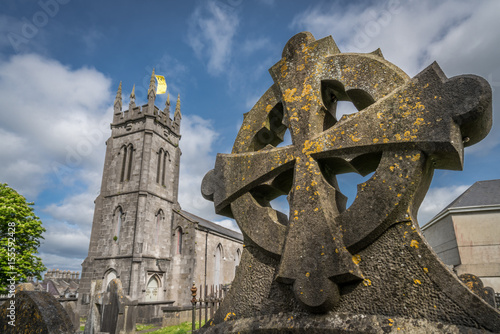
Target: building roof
(482, 195)
(210, 225)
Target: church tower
(131, 235)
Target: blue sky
(61, 62)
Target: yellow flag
(161, 88)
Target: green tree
(20, 233)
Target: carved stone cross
(403, 130)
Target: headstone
(476, 285)
(325, 268)
(112, 311)
(34, 312)
(70, 308)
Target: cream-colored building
(466, 234)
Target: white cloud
(229, 223)
(250, 46)
(211, 31)
(437, 199)
(52, 139)
(77, 209)
(64, 239)
(197, 144)
(51, 116)
(54, 261)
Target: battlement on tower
(134, 114)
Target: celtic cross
(403, 130)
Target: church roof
(211, 225)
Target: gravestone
(34, 312)
(326, 268)
(476, 285)
(70, 308)
(112, 311)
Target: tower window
(126, 170)
(161, 169)
(158, 168)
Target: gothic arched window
(108, 277)
(118, 217)
(161, 168)
(158, 167)
(165, 155)
(126, 170)
(218, 260)
(178, 240)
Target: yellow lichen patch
(288, 96)
(284, 69)
(308, 274)
(355, 139)
(228, 316)
(367, 282)
(407, 133)
(375, 140)
(416, 157)
(426, 270)
(416, 281)
(301, 67)
(307, 90)
(398, 136)
(269, 108)
(391, 322)
(356, 259)
(414, 243)
(419, 121)
(311, 147)
(316, 209)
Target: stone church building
(139, 233)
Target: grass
(183, 328)
(141, 327)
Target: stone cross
(403, 130)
